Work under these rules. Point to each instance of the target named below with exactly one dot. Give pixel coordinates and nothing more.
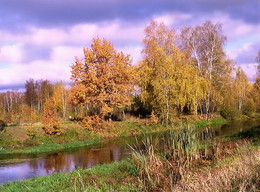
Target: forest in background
(180, 73)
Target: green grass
(45, 148)
(134, 126)
(7, 141)
(211, 122)
(118, 176)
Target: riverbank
(234, 167)
(17, 140)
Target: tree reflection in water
(81, 158)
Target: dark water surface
(107, 152)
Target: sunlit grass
(113, 177)
(45, 148)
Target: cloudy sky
(39, 39)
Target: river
(106, 152)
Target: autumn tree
(204, 45)
(50, 118)
(60, 97)
(165, 76)
(30, 93)
(44, 91)
(256, 93)
(256, 85)
(103, 81)
(9, 105)
(242, 85)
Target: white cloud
(250, 70)
(66, 54)
(173, 19)
(11, 53)
(47, 36)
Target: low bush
(50, 119)
(31, 132)
(96, 124)
(249, 108)
(229, 112)
(92, 123)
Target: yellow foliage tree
(256, 93)
(167, 80)
(104, 80)
(242, 87)
(204, 46)
(256, 85)
(60, 97)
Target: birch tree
(242, 85)
(166, 77)
(204, 45)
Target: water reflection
(236, 126)
(65, 162)
(107, 152)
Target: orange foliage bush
(95, 123)
(92, 123)
(50, 119)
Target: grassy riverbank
(46, 148)
(17, 139)
(234, 166)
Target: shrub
(31, 132)
(50, 119)
(92, 123)
(249, 108)
(229, 112)
(96, 123)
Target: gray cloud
(51, 13)
(34, 52)
(4, 88)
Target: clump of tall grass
(151, 168)
(160, 167)
(187, 145)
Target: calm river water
(107, 152)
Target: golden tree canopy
(104, 80)
(167, 80)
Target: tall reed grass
(165, 163)
(162, 167)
